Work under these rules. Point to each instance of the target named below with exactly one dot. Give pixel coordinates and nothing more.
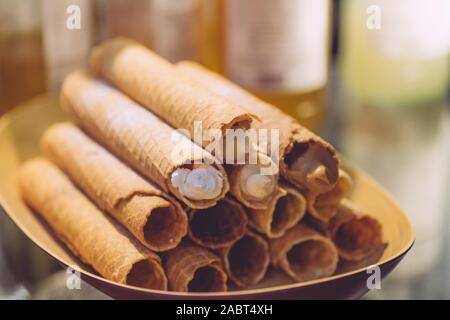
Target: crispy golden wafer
(304, 254)
(89, 233)
(154, 218)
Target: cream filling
(198, 184)
(314, 178)
(314, 169)
(259, 186)
(318, 175)
(255, 184)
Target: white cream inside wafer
(316, 178)
(259, 186)
(254, 183)
(315, 169)
(198, 184)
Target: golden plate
(20, 132)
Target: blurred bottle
(21, 60)
(176, 29)
(278, 49)
(172, 28)
(211, 31)
(69, 33)
(125, 18)
(396, 53)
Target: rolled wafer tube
(88, 233)
(195, 269)
(156, 84)
(251, 186)
(181, 102)
(166, 157)
(218, 226)
(154, 218)
(304, 254)
(246, 260)
(355, 234)
(285, 211)
(324, 206)
(305, 159)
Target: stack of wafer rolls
(95, 239)
(175, 215)
(154, 218)
(182, 103)
(304, 158)
(156, 150)
(309, 163)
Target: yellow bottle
(278, 49)
(396, 53)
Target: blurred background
(372, 76)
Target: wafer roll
(180, 102)
(250, 184)
(156, 84)
(218, 226)
(304, 254)
(89, 234)
(166, 157)
(154, 218)
(305, 159)
(195, 269)
(324, 206)
(285, 211)
(246, 260)
(355, 234)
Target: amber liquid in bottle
(277, 49)
(309, 107)
(22, 70)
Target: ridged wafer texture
(304, 254)
(156, 84)
(154, 218)
(324, 206)
(355, 234)
(135, 135)
(218, 226)
(295, 141)
(285, 211)
(89, 233)
(191, 268)
(246, 260)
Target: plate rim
(168, 294)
